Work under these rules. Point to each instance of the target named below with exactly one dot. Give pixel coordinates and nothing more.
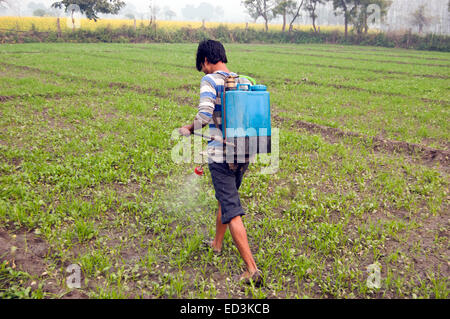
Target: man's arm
(190, 128)
(205, 108)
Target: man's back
(210, 106)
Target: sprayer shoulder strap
(216, 123)
(225, 74)
(218, 114)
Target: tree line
(355, 12)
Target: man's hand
(185, 130)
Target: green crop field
(87, 176)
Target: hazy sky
(234, 11)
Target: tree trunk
(314, 17)
(73, 21)
(314, 23)
(366, 25)
(284, 21)
(291, 24)
(58, 25)
(346, 29)
(346, 13)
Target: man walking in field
(226, 176)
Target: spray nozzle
(198, 170)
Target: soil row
(385, 55)
(359, 59)
(339, 67)
(429, 156)
(4, 99)
(355, 88)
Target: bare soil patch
(24, 249)
(27, 252)
(6, 98)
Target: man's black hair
(212, 50)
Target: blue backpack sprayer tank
(245, 118)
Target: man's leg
(226, 184)
(239, 235)
(220, 231)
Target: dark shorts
(227, 181)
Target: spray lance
(199, 169)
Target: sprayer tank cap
(259, 87)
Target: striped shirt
(211, 87)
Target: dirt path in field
(428, 156)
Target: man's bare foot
(248, 277)
(210, 244)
